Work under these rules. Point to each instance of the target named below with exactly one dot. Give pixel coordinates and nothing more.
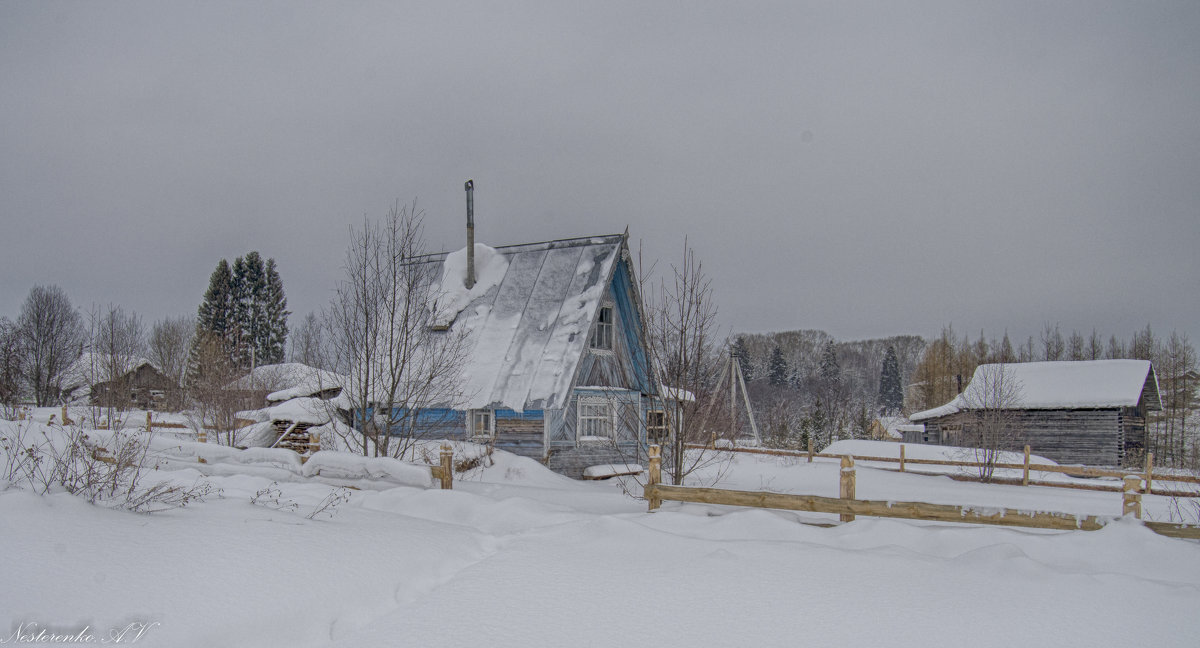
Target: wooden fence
(847, 507)
(1146, 474)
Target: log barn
(1082, 412)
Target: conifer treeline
(243, 313)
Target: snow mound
(452, 292)
(340, 465)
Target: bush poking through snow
(329, 505)
(272, 498)
(67, 459)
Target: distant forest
(806, 384)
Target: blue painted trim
(631, 325)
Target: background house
(1087, 412)
(141, 385)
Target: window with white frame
(481, 423)
(595, 420)
(602, 334)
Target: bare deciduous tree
(117, 343)
(306, 343)
(681, 327)
(170, 341)
(12, 362)
(990, 398)
(382, 338)
(52, 335)
(215, 402)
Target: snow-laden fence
(326, 464)
(847, 507)
(1147, 474)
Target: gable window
(595, 420)
(480, 424)
(602, 334)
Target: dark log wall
(1096, 437)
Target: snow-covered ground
(518, 556)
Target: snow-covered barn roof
(526, 320)
(1088, 384)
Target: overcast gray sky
(867, 169)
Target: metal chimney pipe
(470, 187)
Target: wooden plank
(908, 510)
(904, 510)
(1078, 471)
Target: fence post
(1131, 498)
(655, 478)
(901, 457)
(1149, 473)
(846, 490)
(149, 424)
(447, 460)
(65, 420)
(810, 452)
(1025, 478)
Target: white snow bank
(301, 410)
(452, 293)
(340, 465)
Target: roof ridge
(599, 239)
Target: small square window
(595, 420)
(481, 424)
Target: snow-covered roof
(896, 426)
(92, 368)
(526, 320)
(289, 380)
(1085, 384)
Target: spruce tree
(831, 371)
(246, 310)
(891, 392)
(216, 310)
(778, 368)
(275, 314)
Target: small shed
(1077, 412)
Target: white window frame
(582, 414)
(603, 332)
(473, 417)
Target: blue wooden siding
(631, 327)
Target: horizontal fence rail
(1075, 471)
(847, 507)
